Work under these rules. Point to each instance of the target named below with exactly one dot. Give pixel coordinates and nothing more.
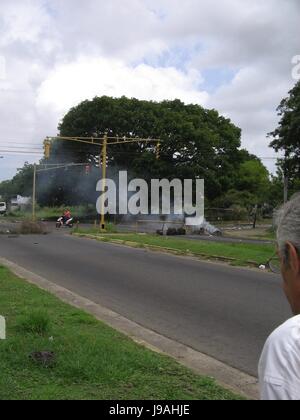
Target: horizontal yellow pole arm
(133, 141)
(99, 141)
(87, 140)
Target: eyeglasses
(274, 264)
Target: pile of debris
(172, 231)
(23, 228)
(208, 229)
(32, 228)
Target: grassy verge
(234, 253)
(259, 233)
(109, 228)
(92, 361)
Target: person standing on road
(279, 366)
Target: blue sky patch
(214, 78)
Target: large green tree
(196, 142)
(252, 186)
(254, 178)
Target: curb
(156, 248)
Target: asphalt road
(222, 311)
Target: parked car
(3, 208)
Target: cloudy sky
(232, 55)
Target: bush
(181, 231)
(111, 228)
(238, 213)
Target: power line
(10, 152)
(41, 152)
(6, 149)
(18, 143)
(28, 148)
(17, 148)
(28, 145)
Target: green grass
(35, 322)
(92, 361)
(268, 234)
(240, 253)
(109, 228)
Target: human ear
(293, 258)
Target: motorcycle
(61, 222)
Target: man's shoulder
(287, 335)
(280, 360)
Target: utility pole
(285, 188)
(104, 158)
(255, 216)
(34, 193)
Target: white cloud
(58, 53)
(86, 78)
(250, 100)
(22, 21)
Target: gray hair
(288, 223)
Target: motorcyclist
(67, 217)
(65, 220)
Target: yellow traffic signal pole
(158, 150)
(47, 145)
(104, 158)
(47, 148)
(104, 142)
(34, 193)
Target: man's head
(288, 237)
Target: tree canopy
(286, 137)
(21, 184)
(196, 142)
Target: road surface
(224, 312)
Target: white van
(3, 207)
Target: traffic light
(158, 151)
(47, 148)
